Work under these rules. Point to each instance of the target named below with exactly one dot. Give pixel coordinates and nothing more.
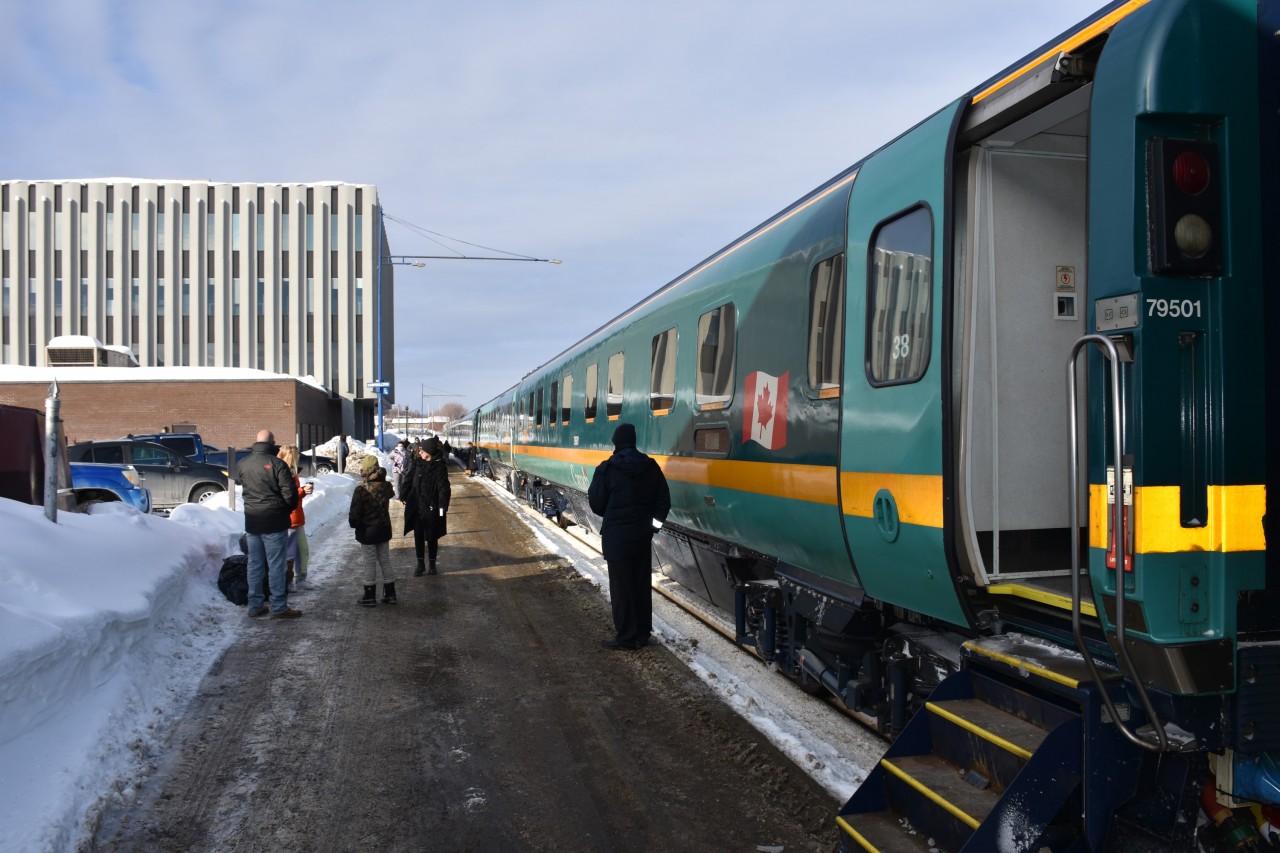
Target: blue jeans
(267, 552)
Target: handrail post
(1108, 348)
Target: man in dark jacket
(269, 495)
(630, 492)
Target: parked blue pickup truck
(192, 446)
(99, 482)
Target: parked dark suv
(172, 479)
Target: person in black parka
(424, 491)
(269, 493)
(630, 492)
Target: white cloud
(631, 140)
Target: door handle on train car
(1193, 431)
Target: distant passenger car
(172, 479)
(218, 456)
(323, 464)
(188, 444)
(99, 482)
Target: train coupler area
(756, 607)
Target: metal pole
(231, 476)
(377, 320)
(51, 456)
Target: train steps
(993, 762)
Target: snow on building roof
(10, 373)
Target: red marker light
(1191, 172)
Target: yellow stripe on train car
(1234, 523)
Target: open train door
(892, 436)
(1018, 304)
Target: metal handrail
(1117, 525)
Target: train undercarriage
(1005, 724)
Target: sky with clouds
(631, 140)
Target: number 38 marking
(1173, 307)
(901, 346)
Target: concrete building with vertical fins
(281, 278)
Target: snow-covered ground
(109, 620)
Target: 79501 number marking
(1173, 307)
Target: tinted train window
(662, 372)
(592, 389)
(555, 403)
(537, 412)
(566, 396)
(826, 326)
(900, 281)
(713, 388)
(613, 394)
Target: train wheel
(808, 685)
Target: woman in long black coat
(424, 490)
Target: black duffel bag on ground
(233, 580)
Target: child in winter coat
(371, 519)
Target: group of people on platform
(275, 522)
(628, 490)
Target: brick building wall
(224, 412)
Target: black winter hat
(432, 446)
(624, 436)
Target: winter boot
(432, 570)
(389, 593)
(421, 570)
(370, 596)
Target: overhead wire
(432, 235)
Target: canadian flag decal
(765, 418)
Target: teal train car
(975, 438)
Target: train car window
(826, 326)
(662, 372)
(520, 421)
(537, 409)
(554, 414)
(613, 393)
(592, 389)
(713, 388)
(566, 397)
(900, 281)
